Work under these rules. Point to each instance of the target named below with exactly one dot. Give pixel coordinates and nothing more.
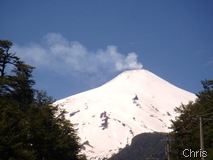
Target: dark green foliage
(13, 132)
(52, 137)
(31, 128)
(143, 146)
(186, 131)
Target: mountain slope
(134, 102)
(144, 146)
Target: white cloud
(60, 55)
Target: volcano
(134, 102)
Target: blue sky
(77, 45)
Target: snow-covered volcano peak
(145, 83)
(109, 116)
(135, 74)
(135, 78)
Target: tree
(186, 133)
(5, 57)
(31, 127)
(18, 84)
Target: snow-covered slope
(108, 117)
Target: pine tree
(31, 127)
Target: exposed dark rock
(73, 113)
(168, 114)
(105, 118)
(135, 98)
(86, 143)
